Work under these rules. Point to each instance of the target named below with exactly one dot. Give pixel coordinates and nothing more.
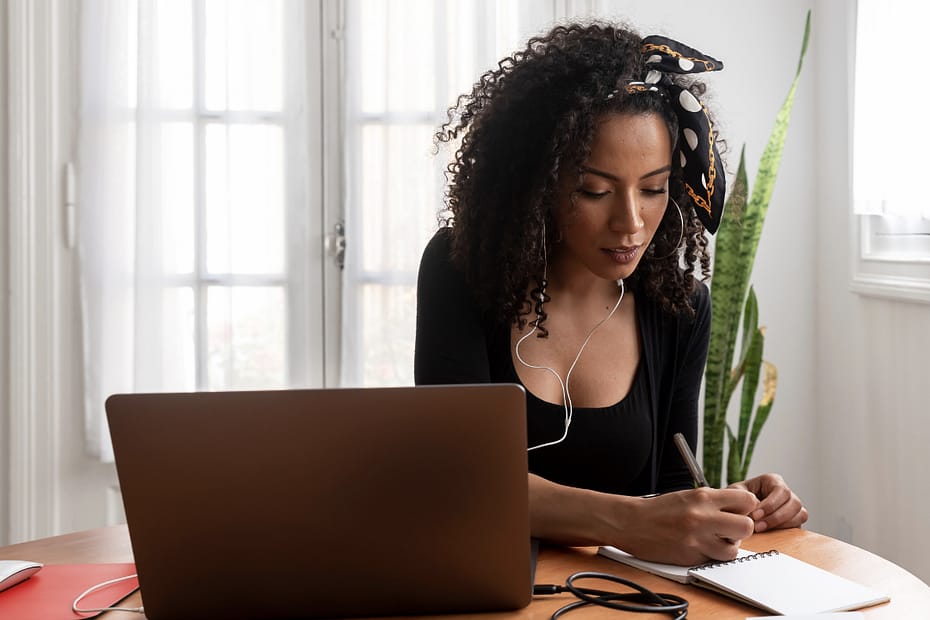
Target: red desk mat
(48, 594)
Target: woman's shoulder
(438, 272)
(698, 300)
(700, 297)
(438, 250)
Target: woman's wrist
(579, 517)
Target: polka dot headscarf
(702, 169)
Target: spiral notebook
(772, 581)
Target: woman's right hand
(684, 527)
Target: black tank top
(607, 449)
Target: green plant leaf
(750, 387)
(807, 36)
(734, 466)
(750, 323)
(769, 385)
(724, 323)
(734, 256)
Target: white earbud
(566, 394)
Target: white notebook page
(785, 585)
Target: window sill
(897, 288)
(878, 272)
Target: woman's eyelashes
(596, 194)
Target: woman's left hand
(779, 507)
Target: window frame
(877, 269)
(884, 274)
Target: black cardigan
(626, 448)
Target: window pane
(173, 54)
(399, 75)
(178, 363)
(162, 344)
(245, 198)
(473, 47)
(245, 337)
(386, 312)
(244, 48)
(887, 146)
(174, 197)
(896, 237)
(400, 195)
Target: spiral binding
(745, 558)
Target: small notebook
(771, 581)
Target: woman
(586, 177)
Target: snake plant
(733, 299)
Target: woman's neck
(575, 285)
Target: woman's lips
(622, 255)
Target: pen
(697, 474)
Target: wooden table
(910, 597)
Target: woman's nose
(626, 215)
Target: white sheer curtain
(185, 195)
(890, 133)
(108, 164)
(407, 61)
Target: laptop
(326, 503)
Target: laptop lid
(326, 503)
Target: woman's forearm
(576, 517)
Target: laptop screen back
(326, 503)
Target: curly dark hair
(524, 123)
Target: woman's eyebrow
(612, 177)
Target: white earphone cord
(566, 394)
(79, 610)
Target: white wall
(4, 287)
(872, 429)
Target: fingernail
(761, 526)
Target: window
(892, 220)
(198, 200)
(407, 61)
(227, 152)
